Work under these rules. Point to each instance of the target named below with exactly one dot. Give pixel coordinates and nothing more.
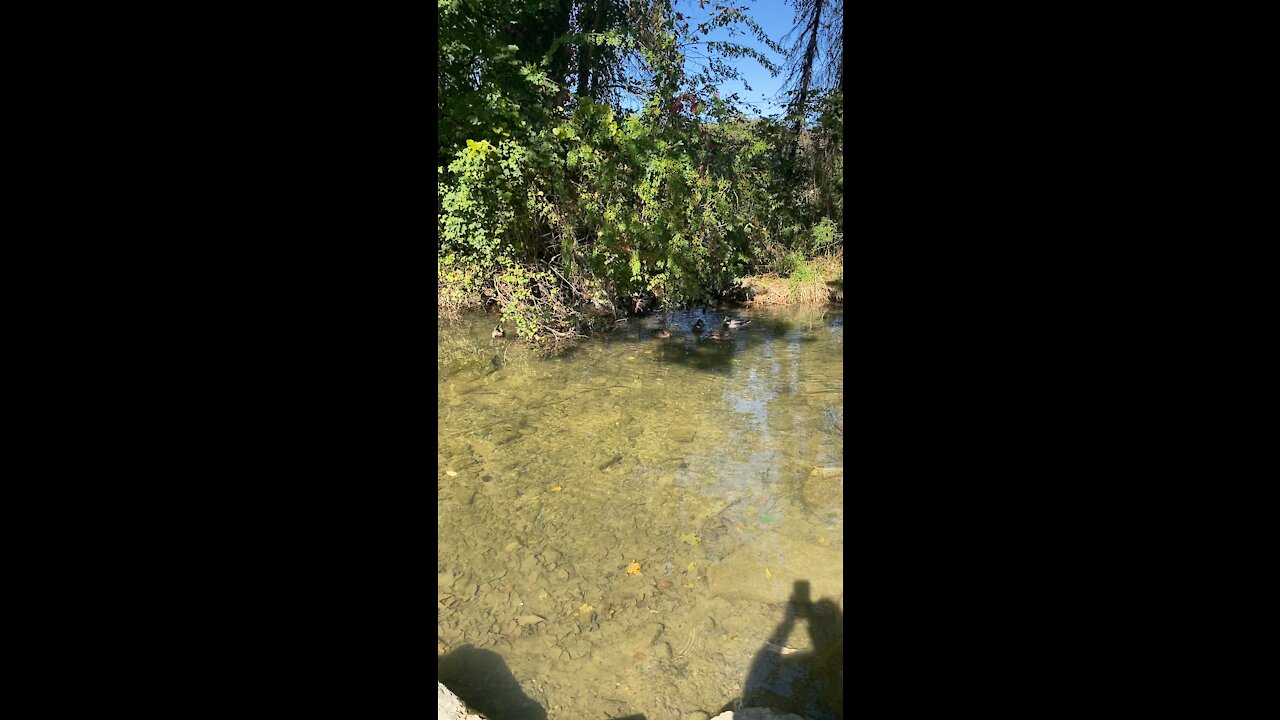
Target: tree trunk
(806, 75)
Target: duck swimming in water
(735, 324)
(699, 326)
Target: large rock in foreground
(449, 706)
(756, 714)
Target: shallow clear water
(621, 528)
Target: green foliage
(478, 205)
(520, 289)
(548, 197)
(825, 238)
(795, 267)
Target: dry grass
(771, 289)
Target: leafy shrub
(825, 237)
(549, 199)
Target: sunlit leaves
(677, 200)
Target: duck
(717, 335)
(497, 332)
(735, 324)
(699, 326)
(662, 333)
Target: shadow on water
(715, 353)
(699, 425)
(711, 349)
(808, 683)
(483, 681)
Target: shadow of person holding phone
(809, 683)
(482, 680)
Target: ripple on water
(634, 515)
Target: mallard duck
(497, 332)
(717, 335)
(699, 326)
(662, 333)
(735, 324)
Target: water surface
(620, 528)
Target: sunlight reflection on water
(620, 525)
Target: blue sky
(776, 17)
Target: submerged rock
(823, 493)
(469, 367)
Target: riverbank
(562, 309)
(805, 282)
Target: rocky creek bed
(620, 531)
